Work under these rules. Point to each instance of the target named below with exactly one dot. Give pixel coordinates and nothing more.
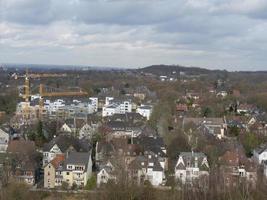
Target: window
(68, 173)
(188, 164)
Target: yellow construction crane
(43, 93)
(26, 96)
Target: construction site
(37, 100)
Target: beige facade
(49, 176)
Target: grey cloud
(191, 32)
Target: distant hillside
(169, 69)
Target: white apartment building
(145, 110)
(112, 107)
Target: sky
(215, 34)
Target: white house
(106, 174)
(65, 128)
(4, 138)
(191, 166)
(147, 168)
(222, 94)
(260, 153)
(145, 111)
(87, 131)
(78, 168)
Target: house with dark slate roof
(63, 144)
(106, 173)
(147, 168)
(74, 168)
(191, 166)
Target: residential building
(4, 139)
(212, 126)
(24, 166)
(63, 144)
(235, 167)
(78, 168)
(260, 153)
(106, 174)
(147, 168)
(191, 166)
(74, 168)
(145, 110)
(113, 106)
(53, 172)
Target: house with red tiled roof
(53, 172)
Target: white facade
(145, 111)
(87, 131)
(188, 166)
(260, 156)
(4, 138)
(48, 156)
(110, 110)
(112, 107)
(105, 174)
(78, 173)
(108, 100)
(65, 128)
(94, 103)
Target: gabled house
(212, 126)
(74, 168)
(191, 166)
(53, 172)
(153, 145)
(106, 174)
(147, 168)
(87, 131)
(77, 168)
(235, 167)
(245, 109)
(63, 144)
(25, 169)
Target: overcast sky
(216, 34)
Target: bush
(91, 183)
